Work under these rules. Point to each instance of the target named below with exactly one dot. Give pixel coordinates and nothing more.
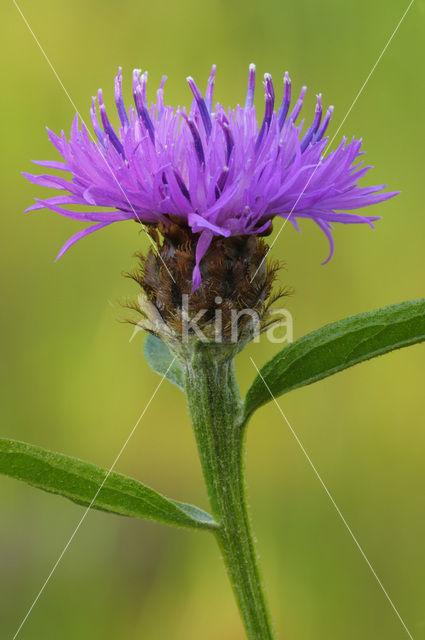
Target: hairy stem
(216, 409)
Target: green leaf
(336, 347)
(160, 359)
(80, 481)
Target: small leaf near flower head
(159, 358)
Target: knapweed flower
(212, 172)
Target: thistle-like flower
(204, 175)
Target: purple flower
(210, 169)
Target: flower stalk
(216, 411)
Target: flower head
(216, 172)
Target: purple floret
(212, 169)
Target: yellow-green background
(72, 382)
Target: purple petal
(268, 112)
(203, 109)
(210, 89)
(298, 105)
(286, 101)
(51, 164)
(251, 87)
(95, 123)
(122, 113)
(108, 128)
(93, 216)
(201, 248)
(196, 138)
(198, 223)
(160, 98)
(79, 235)
(139, 93)
(326, 229)
(54, 200)
(315, 125)
(322, 129)
(53, 182)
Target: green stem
(216, 411)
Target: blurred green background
(72, 382)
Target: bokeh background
(72, 382)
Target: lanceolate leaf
(80, 481)
(336, 347)
(160, 359)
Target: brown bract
(237, 280)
